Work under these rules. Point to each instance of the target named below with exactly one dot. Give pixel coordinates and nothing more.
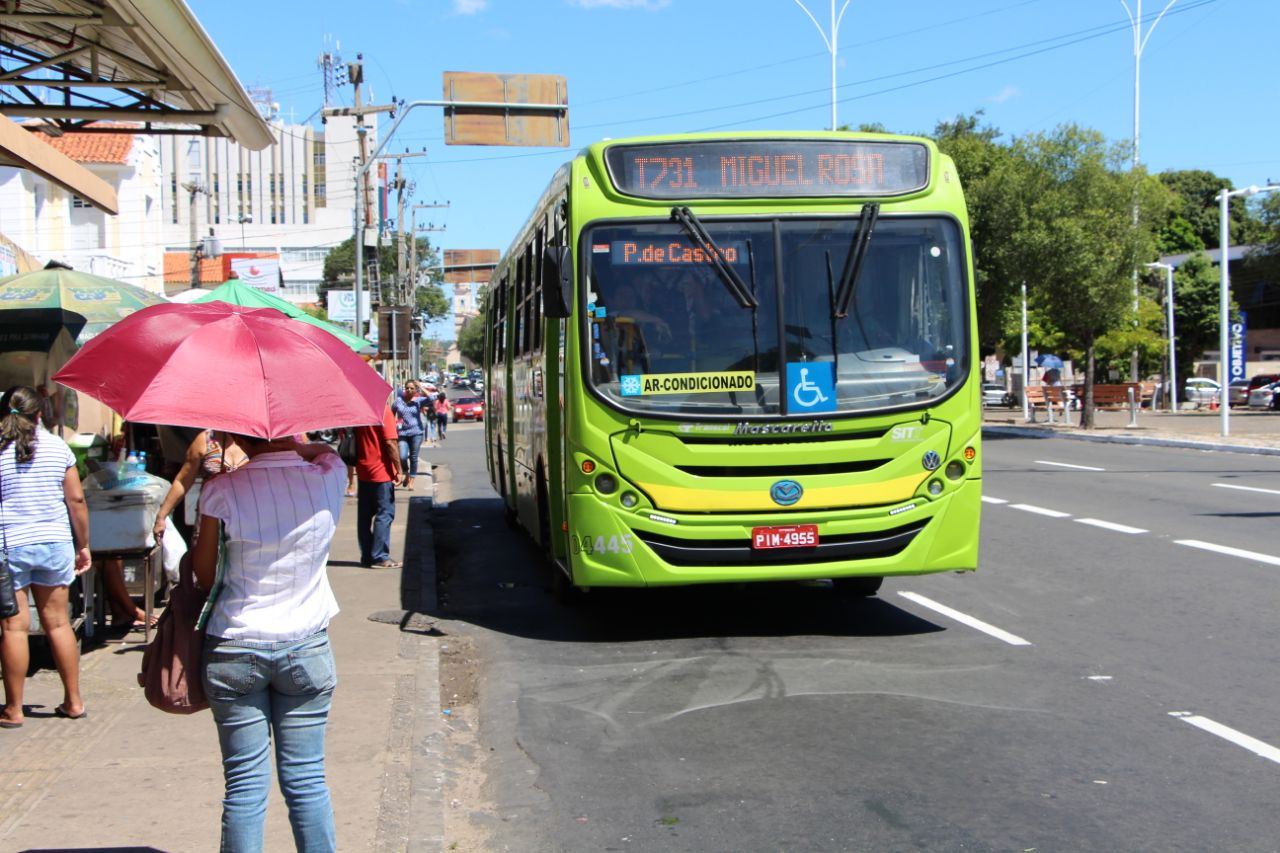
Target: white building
(294, 199)
(52, 223)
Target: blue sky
(1208, 76)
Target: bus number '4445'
(601, 545)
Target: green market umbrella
(236, 292)
(36, 306)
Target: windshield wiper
(693, 227)
(853, 265)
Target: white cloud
(469, 7)
(1008, 93)
(651, 5)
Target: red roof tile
(96, 147)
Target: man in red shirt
(377, 472)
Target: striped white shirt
(33, 508)
(279, 513)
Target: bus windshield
(669, 335)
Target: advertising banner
(262, 273)
(341, 305)
(1236, 354)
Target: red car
(467, 409)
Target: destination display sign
(749, 168)
(669, 251)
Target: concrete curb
(1111, 438)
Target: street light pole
(831, 44)
(1224, 292)
(242, 219)
(1139, 44)
(1173, 358)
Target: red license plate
(785, 536)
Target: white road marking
(1230, 552)
(964, 619)
(991, 500)
(1110, 525)
(1257, 747)
(1039, 510)
(1099, 678)
(1068, 465)
(1247, 488)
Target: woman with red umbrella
(269, 673)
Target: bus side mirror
(557, 282)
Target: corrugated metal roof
(71, 63)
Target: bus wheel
(508, 511)
(544, 516)
(563, 590)
(863, 587)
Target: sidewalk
(129, 777)
(1250, 431)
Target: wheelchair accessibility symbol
(811, 387)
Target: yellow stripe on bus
(681, 499)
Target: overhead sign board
(506, 109)
(462, 266)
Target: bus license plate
(785, 536)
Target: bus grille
(853, 466)
(738, 552)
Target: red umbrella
(248, 370)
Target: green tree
(1076, 242)
(1196, 289)
(339, 272)
(985, 167)
(1199, 212)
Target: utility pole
(194, 187)
(415, 349)
(364, 208)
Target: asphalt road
(1103, 683)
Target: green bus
(716, 358)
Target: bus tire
(544, 515)
(563, 590)
(860, 587)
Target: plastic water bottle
(142, 462)
(131, 462)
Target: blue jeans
(264, 692)
(375, 510)
(409, 447)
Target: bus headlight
(606, 484)
(955, 470)
(935, 487)
(629, 499)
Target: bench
(1112, 396)
(1047, 397)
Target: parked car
(468, 409)
(994, 394)
(1258, 381)
(1238, 392)
(1264, 396)
(1200, 390)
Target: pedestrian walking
(410, 429)
(269, 672)
(377, 470)
(442, 414)
(45, 535)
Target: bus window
(662, 313)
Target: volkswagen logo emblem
(931, 461)
(785, 492)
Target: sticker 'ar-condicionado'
(639, 384)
